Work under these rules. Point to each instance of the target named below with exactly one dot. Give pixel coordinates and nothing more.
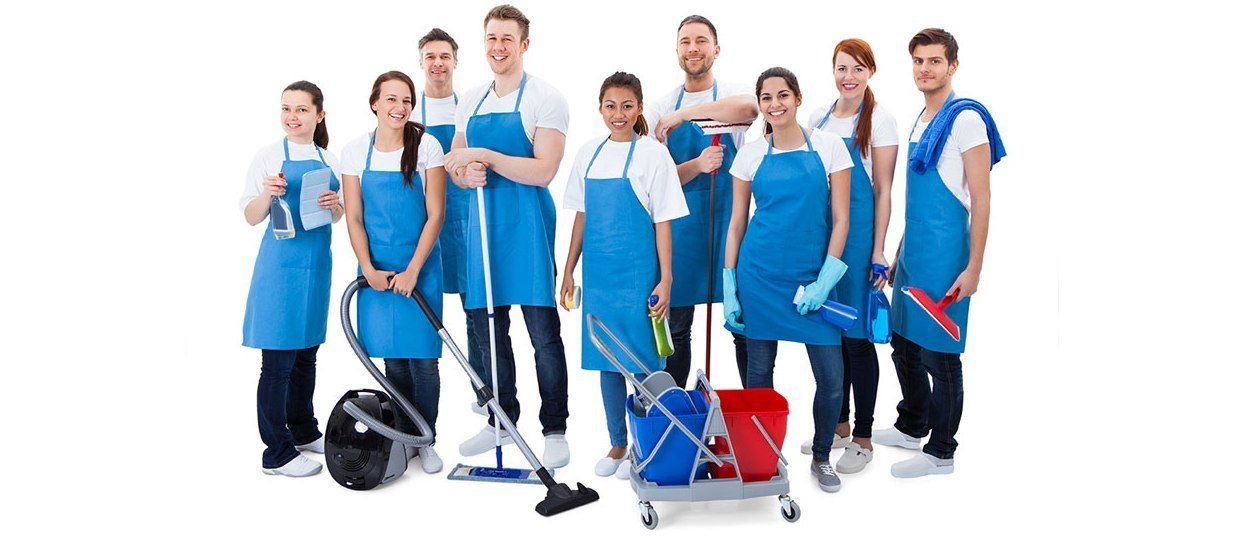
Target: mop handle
(491, 312)
(711, 256)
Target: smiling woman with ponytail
(625, 189)
(394, 200)
(287, 309)
(871, 135)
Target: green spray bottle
(659, 327)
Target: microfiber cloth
(931, 144)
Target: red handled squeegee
(714, 129)
(936, 309)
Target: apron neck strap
(317, 150)
(857, 116)
(681, 93)
(516, 106)
(286, 142)
(423, 108)
(625, 171)
(370, 148)
(805, 137)
(952, 97)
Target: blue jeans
(680, 320)
(472, 349)
(544, 326)
(862, 374)
(612, 387)
(418, 380)
(286, 415)
(935, 406)
(826, 367)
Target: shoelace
(826, 469)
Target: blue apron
(287, 308)
(934, 251)
(456, 210)
(619, 267)
(391, 325)
(685, 143)
(859, 243)
(521, 219)
(784, 246)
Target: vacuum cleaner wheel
(358, 457)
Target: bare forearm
(687, 171)
(258, 208)
(664, 249)
(529, 171)
(839, 201)
(735, 109)
(737, 221)
(351, 185)
(575, 244)
(977, 163)
(884, 161)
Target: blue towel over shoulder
(931, 144)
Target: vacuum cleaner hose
(402, 403)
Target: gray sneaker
(828, 479)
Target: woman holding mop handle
(394, 197)
(626, 191)
(287, 310)
(801, 183)
(870, 134)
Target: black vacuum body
(357, 456)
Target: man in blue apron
(700, 97)
(947, 209)
(436, 109)
(509, 141)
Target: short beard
(707, 68)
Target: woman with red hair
(870, 134)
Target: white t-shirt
(655, 109)
(652, 174)
(968, 132)
(268, 161)
(883, 129)
(354, 157)
(830, 148)
(542, 106)
(439, 111)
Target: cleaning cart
(700, 445)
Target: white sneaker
(481, 410)
(315, 446)
(623, 470)
(922, 464)
(892, 437)
(854, 459)
(607, 466)
(555, 451)
(838, 442)
(484, 441)
(299, 466)
(430, 461)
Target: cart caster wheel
(649, 516)
(790, 509)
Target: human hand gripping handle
(817, 293)
(732, 308)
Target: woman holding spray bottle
(870, 134)
(394, 194)
(626, 191)
(287, 309)
(800, 180)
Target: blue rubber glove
(817, 293)
(732, 308)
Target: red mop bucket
(754, 457)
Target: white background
(1100, 373)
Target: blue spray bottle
(878, 330)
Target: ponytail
(861, 52)
(862, 134)
(412, 137)
(630, 82)
(321, 128)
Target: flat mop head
(935, 310)
(493, 474)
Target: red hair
(861, 52)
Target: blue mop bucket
(674, 460)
